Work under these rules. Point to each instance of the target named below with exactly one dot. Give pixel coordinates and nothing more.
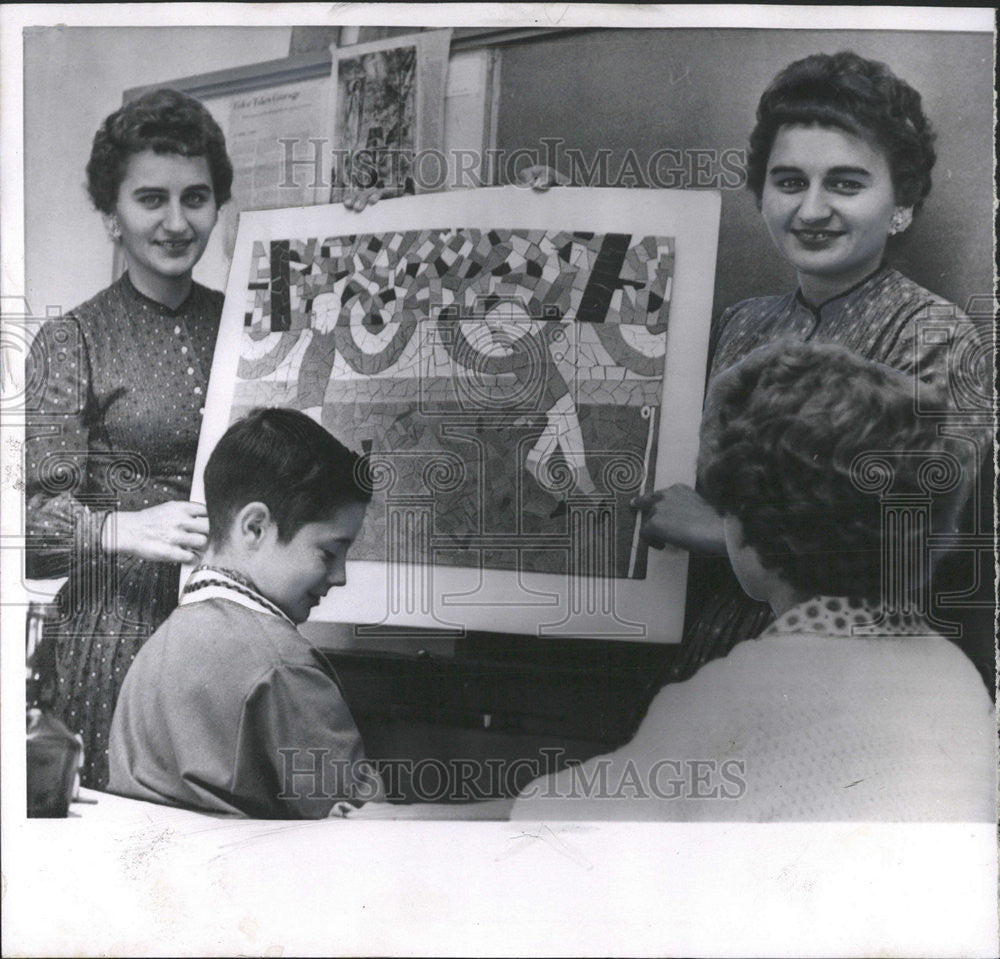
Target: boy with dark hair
(227, 707)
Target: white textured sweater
(811, 721)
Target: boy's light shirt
(210, 582)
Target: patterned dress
(879, 319)
(116, 393)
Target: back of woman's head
(801, 440)
(864, 98)
(164, 121)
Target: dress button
(190, 371)
(177, 331)
(184, 349)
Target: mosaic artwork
(510, 381)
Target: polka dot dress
(116, 398)
(878, 319)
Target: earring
(114, 228)
(900, 221)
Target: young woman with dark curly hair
(839, 710)
(840, 160)
(117, 390)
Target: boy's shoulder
(228, 632)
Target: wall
(611, 89)
(73, 78)
(694, 89)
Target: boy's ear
(252, 524)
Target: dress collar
(212, 582)
(847, 616)
(129, 289)
(883, 269)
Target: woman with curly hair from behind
(849, 706)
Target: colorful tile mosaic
(508, 380)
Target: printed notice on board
(272, 139)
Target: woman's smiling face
(828, 202)
(165, 211)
